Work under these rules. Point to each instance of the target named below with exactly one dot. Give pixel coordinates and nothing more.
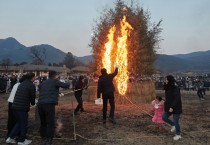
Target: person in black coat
(24, 96)
(11, 117)
(48, 98)
(79, 86)
(13, 81)
(106, 88)
(3, 84)
(172, 105)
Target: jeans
(47, 120)
(110, 97)
(20, 128)
(175, 121)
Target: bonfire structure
(125, 36)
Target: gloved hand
(61, 95)
(36, 101)
(116, 65)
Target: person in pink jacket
(158, 108)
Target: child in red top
(158, 108)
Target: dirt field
(133, 127)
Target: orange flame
(121, 54)
(106, 60)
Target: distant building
(43, 70)
(80, 69)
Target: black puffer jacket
(105, 83)
(49, 91)
(25, 95)
(173, 99)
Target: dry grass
(141, 92)
(133, 127)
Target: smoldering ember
(125, 92)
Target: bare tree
(6, 63)
(38, 55)
(69, 60)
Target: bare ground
(134, 127)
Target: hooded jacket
(173, 99)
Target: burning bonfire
(118, 54)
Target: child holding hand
(158, 108)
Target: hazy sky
(67, 24)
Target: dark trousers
(204, 91)
(20, 128)
(47, 120)
(199, 93)
(11, 119)
(80, 102)
(110, 97)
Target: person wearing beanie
(172, 105)
(11, 117)
(24, 97)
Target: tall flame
(122, 56)
(106, 60)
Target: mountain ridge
(17, 52)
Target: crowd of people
(186, 82)
(23, 95)
(7, 82)
(201, 84)
(23, 91)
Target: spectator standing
(25, 95)
(200, 89)
(11, 118)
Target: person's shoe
(44, 140)
(104, 124)
(49, 141)
(10, 140)
(82, 110)
(202, 99)
(58, 134)
(104, 121)
(112, 120)
(173, 129)
(177, 137)
(26, 142)
(76, 113)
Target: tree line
(38, 57)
